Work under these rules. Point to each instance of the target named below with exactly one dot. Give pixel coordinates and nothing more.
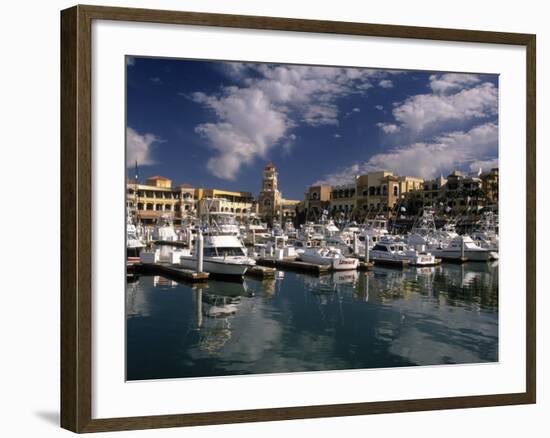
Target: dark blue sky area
(216, 124)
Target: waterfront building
(489, 185)
(154, 198)
(241, 204)
(462, 193)
(317, 200)
(343, 200)
(377, 193)
(408, 184)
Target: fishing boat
(329, 256)
(134, 244)
(463, 245)
(386, 251)
(222, 255)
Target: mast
(136, 184)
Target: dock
(262, 272)
(172, 271)
(392, 263)
(291, 264)
(365, 266)
(458, 259)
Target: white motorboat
(454, 250)
(222, 255)
(134, 244)
(329, 256)
(164, 230)
(397, 252)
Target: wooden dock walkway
(292, 264)
(172, 271)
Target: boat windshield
(223, 251)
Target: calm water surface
(383, 318)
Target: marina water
(446, 314)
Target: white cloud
(317, 115)
(388, 128)
(484, 165)
(423, 111)
(336, 135)
(138, 147)
(156, 80)
(442, 83)
(255, 116)
(379, 107)
(446, 152)
(249, 125)
(385, 83)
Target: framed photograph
(269, 218)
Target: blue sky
(216, 124)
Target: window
(221, 251)
(371, 191)
(378, 190)
(395, 191)
(380, 248)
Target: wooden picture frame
(76, 218)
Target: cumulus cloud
(385, 83)
(379, 107)
(388, 128)
(423, 111)
(443, 83)
(249, 125)
(256, 114)
(471, 149)
(484, 165)
(138, 147)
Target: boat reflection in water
(346, 320)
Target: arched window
(395, 190)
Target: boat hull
(337, 264)
(474, 256)
(218, 267)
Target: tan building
(409, 184)
(377, 192)
(317, 199)
(216, 200)
(270, 197)
(157, 197)
(343, 200)
(489, 185)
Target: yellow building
(157, 197)
(377, 192)
(216, 200)
(409, 184)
